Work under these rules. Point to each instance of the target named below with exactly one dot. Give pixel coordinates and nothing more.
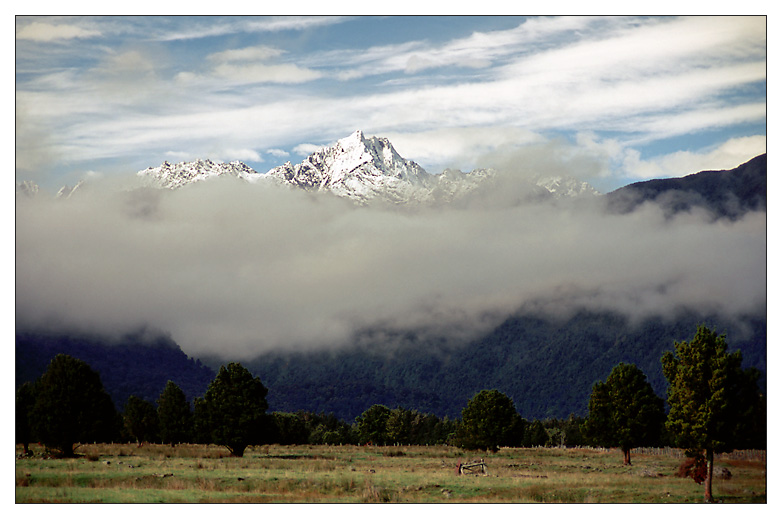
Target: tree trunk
(237, 450)
(709, 475)
(66, 450)
(626, 453)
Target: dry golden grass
(352, 474)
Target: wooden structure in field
(472, 467)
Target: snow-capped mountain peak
(363, 169)
(358, 168)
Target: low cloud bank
(234, 269)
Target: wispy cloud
(137, 92)
(196, 28)
(49, 32)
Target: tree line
(714, 406)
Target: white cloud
(276, 152)
(244, 24)
(459, 148)
(263, 73)
(232, 268)
(305, 149)
(47, 32)
(258, 53)
(231, 154)
(727, 155)
(646, 79)
(252, 65)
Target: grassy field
(352, 474)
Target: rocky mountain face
(362, 169)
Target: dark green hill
(135, 364)
(548, 367)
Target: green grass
(351, 474)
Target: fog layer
(235, 269)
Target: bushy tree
(232, 412)
(711, 398)
(372, 425)
(327, 429)
(71, 406)
(489, 420)
(412, 427)
(289, 429)
(624, 411)
(535, 435)
(140, 419)
(174, 415)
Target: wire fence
(746, 454)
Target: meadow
(127, 473)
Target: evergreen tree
(535, 435)
(489, 420)
(624, 412)
(25, 399)
(372, 425)
(709, 396)
(72, 406)
(174, 416)
(140, 419)
(289, 429)
(232, 412)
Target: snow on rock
(173, 176)
(362, 169)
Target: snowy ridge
(27, 188)
(565, 187)
(173, 176)
(362, 169)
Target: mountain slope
(547, 366)
(726, 193)
(136, 364)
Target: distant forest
(547, 367)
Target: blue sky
(626, 98)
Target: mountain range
(546, 365)
(362, 169)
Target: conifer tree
(140, 418)
(624, 411)
(174, 416)
(71, 406)
(232, 412)
(711, 398)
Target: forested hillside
(547, 367)
(137, 364)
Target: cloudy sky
(644, 97)
(234, 268)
